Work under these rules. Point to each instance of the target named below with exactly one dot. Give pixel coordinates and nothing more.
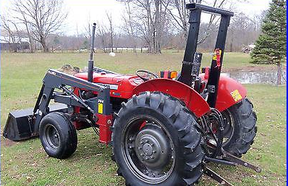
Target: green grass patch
(26, 163)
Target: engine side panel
(190, 97)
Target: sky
(81, 12)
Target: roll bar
(191, 47)
(209, 9)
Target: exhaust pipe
(91, 62)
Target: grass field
(25, 163)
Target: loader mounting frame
(61, 81)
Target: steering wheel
(146, 75)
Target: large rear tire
(241, 121)
(58, 136)
(156, 142)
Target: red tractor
(163, 130)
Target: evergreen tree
(271, 45)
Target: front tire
(241, 119)
(58, 136)
(155, 142)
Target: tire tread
(246, 119)
(174, 111)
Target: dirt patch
(7, 142)
(68, 69)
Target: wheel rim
(229, 127)
(51, 136)
(148, 150)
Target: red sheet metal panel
(190, 97)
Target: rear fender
(193, 101)
(230, 92)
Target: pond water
(253, 77)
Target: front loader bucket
(20, 124)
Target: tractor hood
(121, 86)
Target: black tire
(179, 128)
(243, 119)
(58, 136)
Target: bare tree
(242, 32)
(149, 21)
(13, 33)
(88, 30)
(40, 17)
(103, 35)
(181, 16)
(7, 26)
(111, 30)
(129, 24)
(28, 29)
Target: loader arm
(55, 79)
(24, 124)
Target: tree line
(151, 24)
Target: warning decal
(236, 95)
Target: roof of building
(5, 39)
